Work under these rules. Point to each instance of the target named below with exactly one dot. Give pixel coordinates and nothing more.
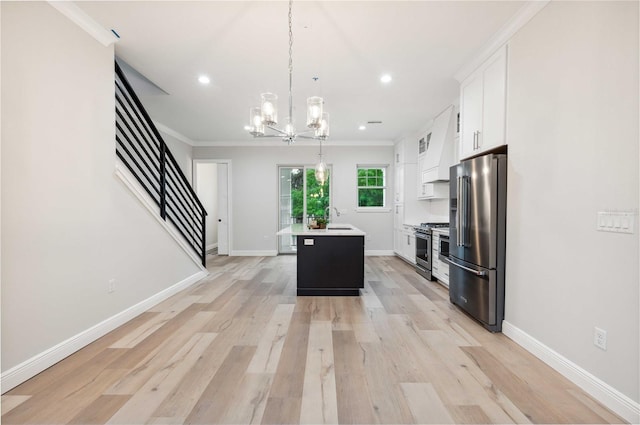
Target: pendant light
(266, 115)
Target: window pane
(317, 195)
(362, 181)
(371, 197)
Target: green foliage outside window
(371, 187)
(317, 195)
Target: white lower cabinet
(405, 243)
(439, 268)
(409, 244)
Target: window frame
(385, 184)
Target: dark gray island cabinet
(329, 261)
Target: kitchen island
(330, 261)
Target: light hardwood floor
(240, 347)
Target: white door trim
(194, 167)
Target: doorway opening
(211, 182)
(300, 198)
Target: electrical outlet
(600, 338)
(111, 287)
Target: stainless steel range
(424, 247)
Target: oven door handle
(477, 273)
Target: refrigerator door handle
(477, 273)
(458, 220)
(462, 211)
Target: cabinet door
(398, 216)
(483, 106)
(398, 237)
(399, 183)
(408, 246)
(470, 113)
(419, 184)
(399, 153)
(412, 247)
(494, 103)
(435, 261)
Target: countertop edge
(301, 230)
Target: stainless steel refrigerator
(478, 189)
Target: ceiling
(340, 50)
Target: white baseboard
(379, 253)
(36, 364)
(603, 392)
(266, 253)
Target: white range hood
(439, 151)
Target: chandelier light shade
(269, 107)
(322, 132)
(322, 172)
(255, 118)
(266, 115)
(314, 112)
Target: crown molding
(84, 21)
(171, 132)
(500, 38)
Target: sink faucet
(328, 209)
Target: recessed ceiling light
(203, 79)
(362, 127)
(386, 78)
(247, 127)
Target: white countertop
(333, 229)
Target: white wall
(254, 185)
(68, 224)
(206, 175)
(572, 129)
(182, 152)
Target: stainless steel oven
(443, 249)
(423, 252)
(424, 247)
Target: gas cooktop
(433, 225)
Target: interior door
(223, 209)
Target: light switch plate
(616, 221)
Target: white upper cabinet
(483, 106)
(399, 153)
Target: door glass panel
(300, 197)
(291, 204)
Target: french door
(300, 197)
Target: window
(372, 185)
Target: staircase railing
(143, 151)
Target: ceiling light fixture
(266, 115)
(386, 78)
(362, 127)
(203, 79)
